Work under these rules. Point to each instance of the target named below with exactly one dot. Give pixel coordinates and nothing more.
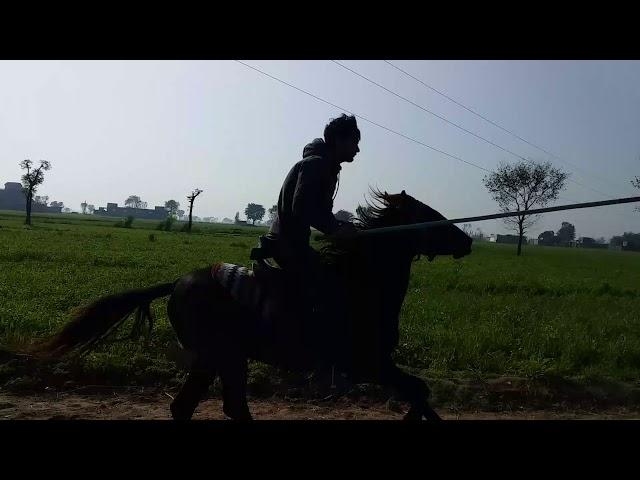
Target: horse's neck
(385, 273)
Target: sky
(159, 129)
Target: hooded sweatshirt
(306, 197)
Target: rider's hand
(346, 231)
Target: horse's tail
(96, 320)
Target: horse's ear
(403, 193)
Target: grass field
(552, 312)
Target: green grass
(552, 312)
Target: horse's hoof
(178, 413)
(412, 416)
(241, 415)
(432, 416)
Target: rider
(306, 200)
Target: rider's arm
(312, 199)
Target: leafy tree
(567, 233)
(254, 212)
(344, 216)
(172, 207)
(524, 186)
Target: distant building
(509, 239)
(113, 210)
(12, 198)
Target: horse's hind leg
(233, 375)
(415, 390)
(191, 393)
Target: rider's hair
(342, 127)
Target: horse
(225, 315)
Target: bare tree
(466, 228)
(191, 198)
(636, 183)
(83, 206)
(31, 180)
(521, 187)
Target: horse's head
(402, 209)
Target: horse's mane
(379, 212)
(376, 213)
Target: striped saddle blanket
(241, 284)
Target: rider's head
(342, 136)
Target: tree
(567, 233)
(466, 228)
(628, 241)
(344, 216)
(636, 183)
(236, 219)
(31, 180)
(172, 207)
(601, 240)
(66, 210)
(191, 199)
(90, 209)
(134, 201)
(180, 213)
(547, 238)
(273, 214)
(227, 220)
(522, 187)
(57, 204)
(43, 200)
(254, 212)
(478, 234)
(83, 206)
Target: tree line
(519, 187)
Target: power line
(371, 121)
(364, 118)
(428, 111)
(458, 126)
(487, 119)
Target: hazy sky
(158, 129)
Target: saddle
(262, 269)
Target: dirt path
(114, 405)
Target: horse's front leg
(412, 389)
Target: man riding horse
(306, 200)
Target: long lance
(438, 223)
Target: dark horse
(221, 333)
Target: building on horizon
(113, 210)
(12, 198)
